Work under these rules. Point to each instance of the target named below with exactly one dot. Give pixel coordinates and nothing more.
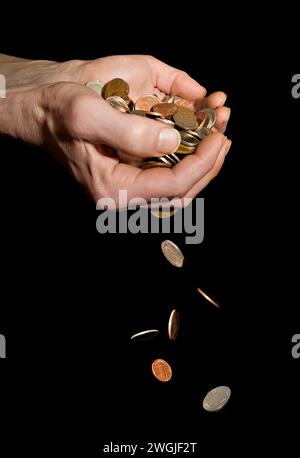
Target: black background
(72, 380)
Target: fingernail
(228, 146)
(227, 116)
(223, 98)
(168, 140)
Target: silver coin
(172, 253)
(216, 399)
(208, 298)
(166, 161)
(95, 85)
(144, 335)
(211, 117)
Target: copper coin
(186, 110)
(168, 122)
(208, 298)
(166, 109)
(161, 370)
(185, 121)
(117, 86)
(173, 325)
(172, 253)
(146, 102)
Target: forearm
(25, 81)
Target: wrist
(21, 114)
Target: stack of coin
(192, 126)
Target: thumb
(94, 120)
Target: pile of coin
(216, 398)
(172, 111)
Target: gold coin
(118, 103)
(152, 164)
(208, 298)
(173, 325)
(117, 86)
(164, 213)
(161, 370)
(146, 102)
(184, 149)
(139, 113)
(185, 121)
(166, 109)
(172, 253)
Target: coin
(173, 325)
(152, 164)
(172, 253)
(210, 118)
(208, 298)
(139, 112)
(118, 103)
(185, 121)
(117, 86)
(161, 370)
(146, 102)
(96, 85)
(188, 138)
(184, 149)
(166, 109)
(164, 213)
(166, 121)
(144, 335)
(217, 398)
(186, 110)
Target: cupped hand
(85, 133)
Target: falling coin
(145, 335)
(173, 325)
(208, 298)
(216, 399)
(172, 253)
(161, 370)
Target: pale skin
(48, 105)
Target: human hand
(86, 133)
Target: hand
(85, 132)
